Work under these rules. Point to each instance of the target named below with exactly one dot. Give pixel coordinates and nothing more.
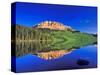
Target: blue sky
(81, 18)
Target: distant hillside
(53, 26)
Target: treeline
(31, 34)
(23, 33)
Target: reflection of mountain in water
(40, 49)
(53, 54)
(46, 49)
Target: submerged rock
(82, 62)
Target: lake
(30, 59)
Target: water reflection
(45, 50)
(53, 54)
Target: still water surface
(39, 58)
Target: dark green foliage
(31, 34)
(33, 40)
(35, 34)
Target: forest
(23, 34)
(36, 40)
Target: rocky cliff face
(53, 25)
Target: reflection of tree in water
(45, 49)
(41, 49)
(23, 48)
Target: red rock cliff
(53, 25)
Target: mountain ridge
(53, 25)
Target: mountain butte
(52, 25)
